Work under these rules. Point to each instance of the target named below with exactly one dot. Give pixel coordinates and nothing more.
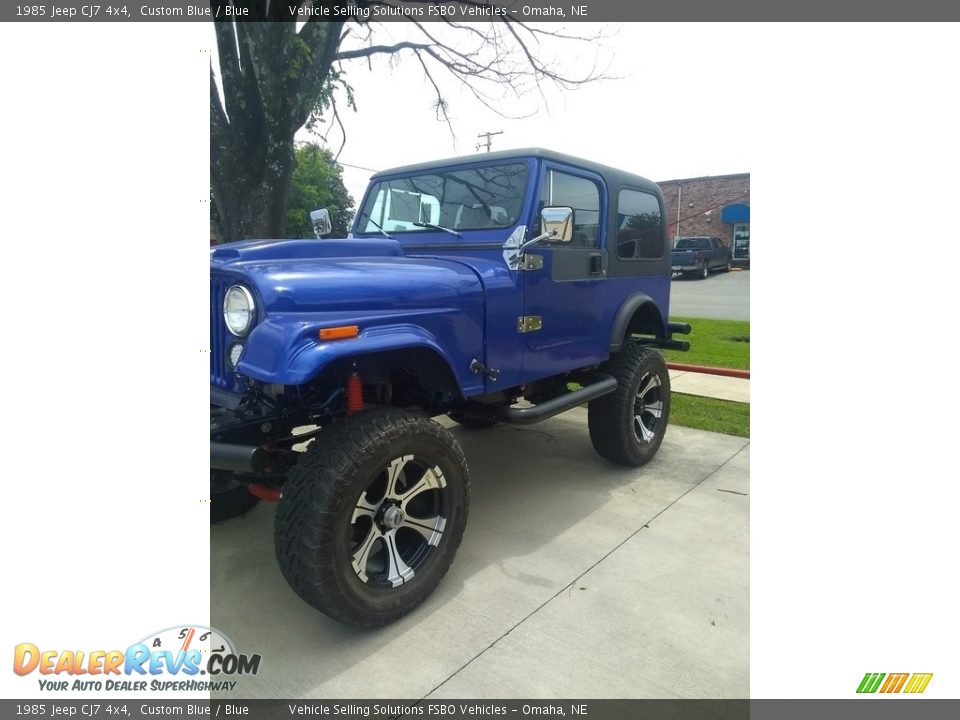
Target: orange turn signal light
(339, 333)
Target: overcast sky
(679, 106)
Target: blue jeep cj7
(500, 288)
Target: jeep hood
(251, 250)
(329, 276)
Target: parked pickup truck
(699, 255)
(501, 288)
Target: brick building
(716, 205)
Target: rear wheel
(627, 426)
(371, 519)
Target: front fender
(286, 350)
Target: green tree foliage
(317, 183)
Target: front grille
(219, 374)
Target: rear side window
(563, 190)
(639, 226)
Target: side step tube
(604, 385)
(238, 458)
(675, 328)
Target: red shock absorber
(354, 393)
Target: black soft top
(612, 176)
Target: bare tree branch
(336, 119)
(441, 104)
(378, 50)
(493, 60)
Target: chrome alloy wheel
(398, 522)
(647, 408)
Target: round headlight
(233, 355)
(238, 310)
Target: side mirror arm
(533, 241)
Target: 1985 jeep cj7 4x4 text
(501, 288)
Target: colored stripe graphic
(870, 682)
(894, 682)
(915, 683)
(918, 683)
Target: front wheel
(627, 426)
(705, 270)
(371, 519)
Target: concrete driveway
(576, 579)
(723, 296)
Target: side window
(563, 190)
(639, 226)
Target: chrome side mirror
(320, 219)
(557, 223)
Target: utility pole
(488, 144)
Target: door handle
(596, 263)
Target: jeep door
(564, 300)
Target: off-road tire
(228, 498)
(472, 422)
(329, 485)
(612, 419)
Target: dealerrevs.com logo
(185, 658)
(910, 683)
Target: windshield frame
(419, 233)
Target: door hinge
(530, 262)
(529, 323)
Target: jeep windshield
(455, 199)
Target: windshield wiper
(438, 227)
(376, 225)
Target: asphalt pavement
(723, 296)
(576, 578)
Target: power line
(356, 167)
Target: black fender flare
(630, 307)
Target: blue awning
(736, 214)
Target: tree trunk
(272, 78)
(251, 187)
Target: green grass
(702, 413)
(714, 343)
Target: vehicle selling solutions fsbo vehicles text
(451, 10)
